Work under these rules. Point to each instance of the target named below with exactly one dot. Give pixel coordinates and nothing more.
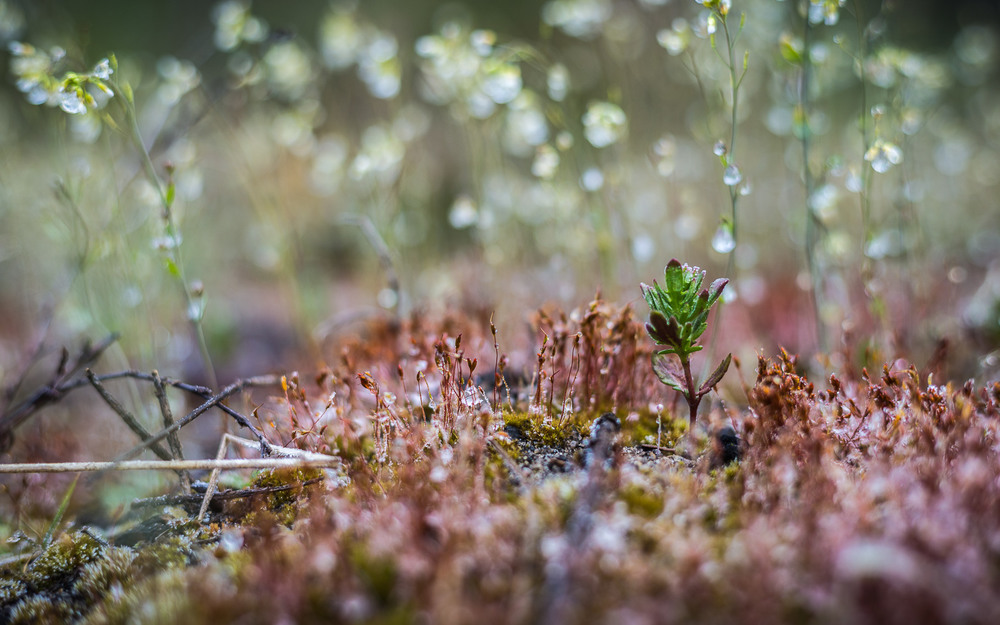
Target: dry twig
(173, 440)
(212, 401)
(182, 500)
(65, 376)
(127, 417)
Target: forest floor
(569, 494)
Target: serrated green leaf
(696, 279)
(715, 291)
(679, 310)
(647, 293)
(666, 370)
(659, 329)
(716, 375)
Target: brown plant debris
(875, 499)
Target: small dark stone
(558, 465)
(515, 432)
(600, 445)
(726, 448)
(605, 425)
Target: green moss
(61, 559)
(65, 581)
(10, 590)
(508, 445)
(270, 478)
(42, 609)
(534, 428)
(283, 504)
(378, 574)
(730, 480)
(398, 615)
(98, 576)
(162, 597)
(640, 501)
(171, 552)
(644, 430)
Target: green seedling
(678, 316)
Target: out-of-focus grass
(472, 153)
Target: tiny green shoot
(678, 316)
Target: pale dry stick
(227, 438)
(213, 479)
(126, 416)
(170, 465)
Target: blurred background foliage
(339, 160)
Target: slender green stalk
(864, 196)
(57, 519)
(812, 223)
(734, 90)
(728, 157)
(166, 196)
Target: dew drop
(643, 248)
(557, 82)
(231, 541)
(881, 164)
(723, 241)
(463, 213)
(71, 102)
(502, 83)
(546, 162)
(732, 176)
(687, 226)
(592, 179)
(387, 298)
(196, 310)
(36, 94)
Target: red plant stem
(692, 396)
